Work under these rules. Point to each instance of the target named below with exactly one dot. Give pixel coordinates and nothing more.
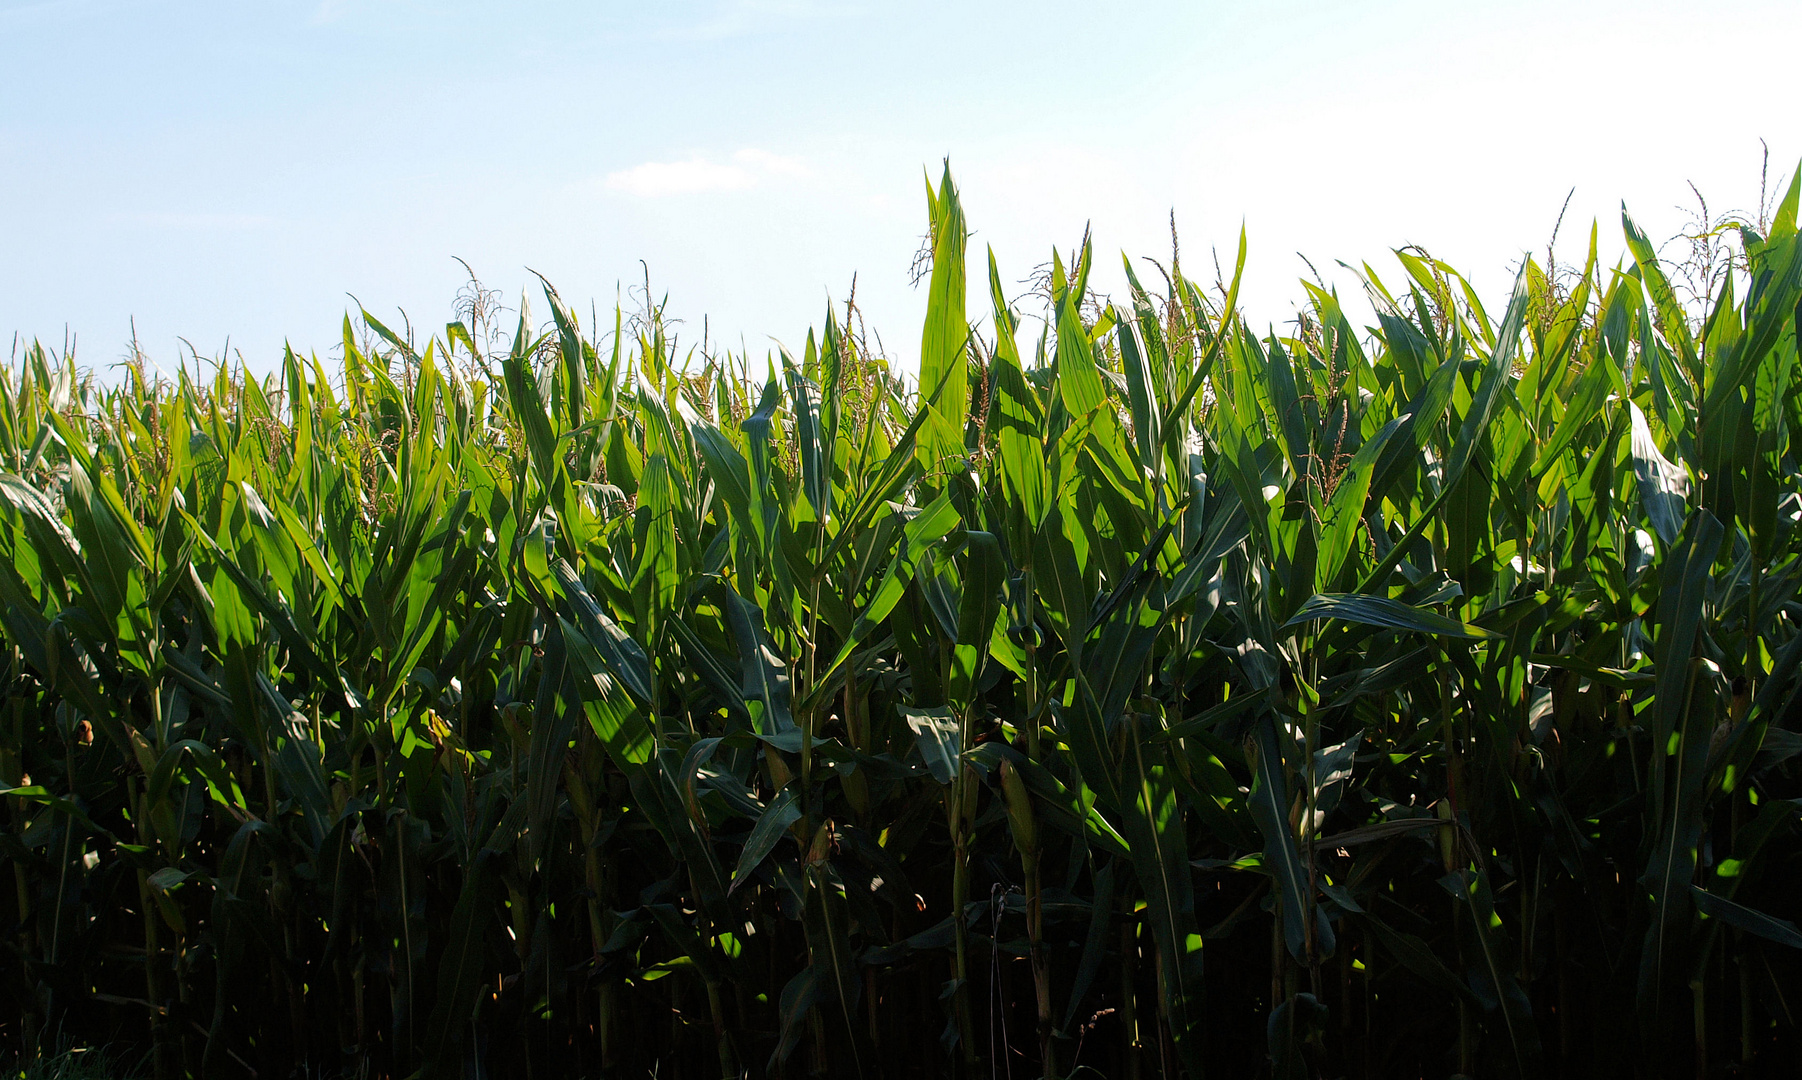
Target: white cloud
(773, 164)
(655, 178)
(699, 175)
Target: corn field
(1139, 694)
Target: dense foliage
(1146, 695)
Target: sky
(231, 175)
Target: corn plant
(1153, 696)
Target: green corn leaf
(726, 468)
(569, 348)
(771, 825)
(727, 686)
(799, 996)
(554, 717)
(1058, 579)
(1386, 613)
(1017, 419)
(1171, 423)
(981, 603)
(1673, 323)
(1141, 396)
(828, 924)
(1662, 485)
(1270, 807)
(616, 720)
(1768, 927)
(655, 581)
(37, 793)
(1345, 508)
(462, 964)
(1160, 855)
(1298, 1021)
(528, 409)
(1078, 377)
(925, 529)
(758, 429)
(1497, 372)
(1591, 390)
(622, 657)
(936, 734)
(1418, 958)
(1094, 944)
(1054, 803)
(815, 450)
(944, 365)
(765, 674)
(1497, 959)
(1683, 714)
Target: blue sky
(218, 171)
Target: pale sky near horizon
(232, 171)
